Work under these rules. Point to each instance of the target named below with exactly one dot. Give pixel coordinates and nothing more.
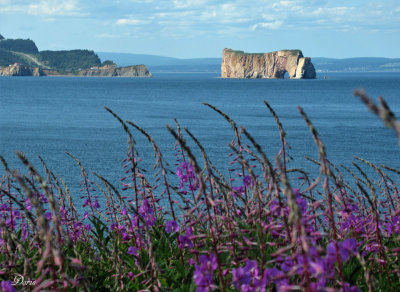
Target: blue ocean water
(52, 115)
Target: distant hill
(168, 64)
(69, 61)
(357, 65)
(26, 53)
(164, 64)
(19, 45)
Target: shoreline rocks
(113, 71)
(21, 70)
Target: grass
(189, 228)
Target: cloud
(269, 25)
(181, 4)
(56, 7)
(333, 11)
(43, 7)
(215, 17)
(130, 21)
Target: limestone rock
(20, 70)
(112, 71)
(238, 64)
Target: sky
(203, 28)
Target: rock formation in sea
(112, 71)
(20, 70)
(238, 64)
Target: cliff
(237, 64)
(20, 70)
(112, 71)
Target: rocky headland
(20, 70)
(113, 71)
(238, 64)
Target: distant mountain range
(164, 64)
(168, 64)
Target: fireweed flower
(4, 207)
(203, 274)
(6, 286)
(132, 250)
(131, 275)
(48, 215)
(346, 249)
(146, 212)
(172, 226)
(185, 173)
(394, 225)
(348, 288)
(125, 236)
(247, 180)
(124, 212)
(96, 204)
(28, 205)
(248, 278)
(185, 240)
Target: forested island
(21, 57)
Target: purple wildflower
(147, 213)
(96, 204)
(248, 278)
(48, 215)
(132, 250)
(347, 248)
(28, 205)
(43, 198)
(203, 274)
(348, 288)
(131, 275)
(394, 225)
(185, 173)
(247, 180)
(125, 236)
(6, 286)
(185, 240)
(86, 203)
(124, 212)
(172, 226)
(5, 207)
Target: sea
(49, 116)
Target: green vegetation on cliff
(70, 61)
(108, 63)
(19, 45)
(7, 58)
(26, 53)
